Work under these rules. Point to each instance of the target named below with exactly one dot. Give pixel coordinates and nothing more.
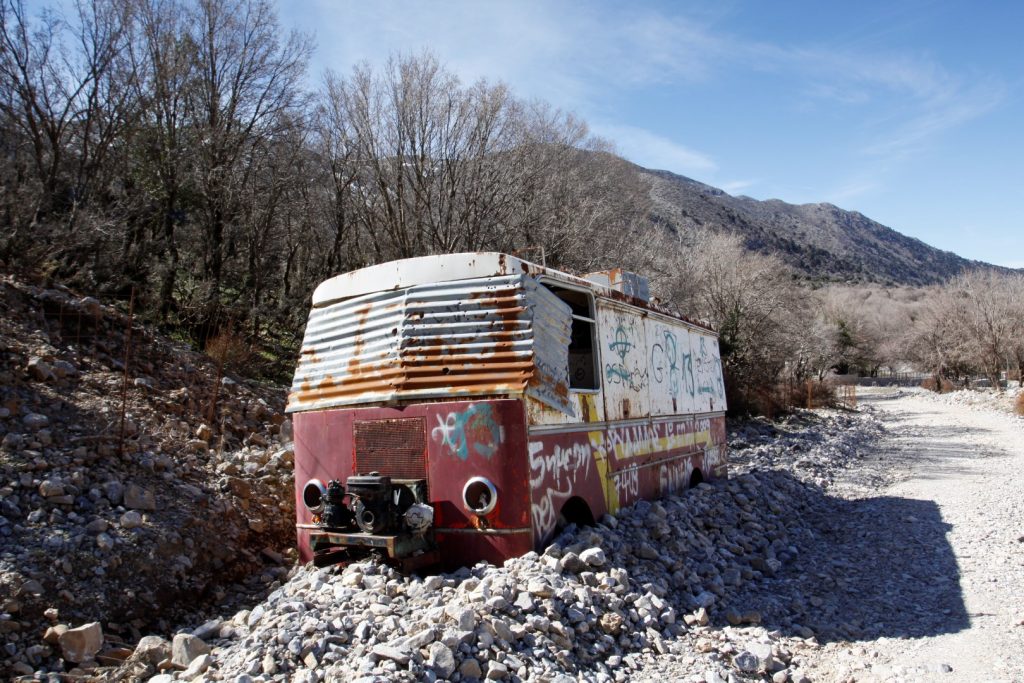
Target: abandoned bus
(462, 407)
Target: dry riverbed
(885, 544)
(947, 550)
(914, 570)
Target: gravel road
(912, 567)
(967, 476)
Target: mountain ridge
(819, 241)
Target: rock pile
(602, 603)
(976, 399)
(132, 533)
(816, 446)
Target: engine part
(372, 502)
(418, 518)
(336, 514)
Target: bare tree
(985, 310)
(247, 91)
(65, 94)
(935, 340)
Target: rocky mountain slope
(107, 534)
(820, 241)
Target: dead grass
(929, 384)
(1019, 407)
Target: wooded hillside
(174, 152)
(174, 147)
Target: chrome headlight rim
(316, 506)
(473, 484)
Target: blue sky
(910, 113)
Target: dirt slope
(138, 531)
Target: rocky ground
(656, 591)
(821, 559)
(882, 544)
(134, 529)
(1000, 401)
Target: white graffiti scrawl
(546, 506)
(627, 483)
(560, 463)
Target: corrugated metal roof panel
(437, 340)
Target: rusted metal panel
(439, 340)
(614, 465)
(625, 376)
(463, 439)
(630, 284)
(395, 448)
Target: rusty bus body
(504, 396)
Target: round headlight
(313, 495)
(479, 495)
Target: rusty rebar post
(78, 338)
(127, 358)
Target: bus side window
(583, 372)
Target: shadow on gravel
(873, 567)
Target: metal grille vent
(395, 448)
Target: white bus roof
(462, 266)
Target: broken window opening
(583, 374)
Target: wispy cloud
(849, 190)
(655, 151)
(936, 115)
(907, 101)
(737, 186)
(589, 57)
(569, 53)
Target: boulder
(594, 557)
(39, 369)
(152, 650)
(51, 487)
(393, 653)
(185, 648)
(138, 498)
(114, 491)
(63, 368)
(470, 668)
(441, 660)
(496, 671)
(199, 665)
(81, 644)
(35, 421)
(571, 562)
(53, 634)
(131, 520)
